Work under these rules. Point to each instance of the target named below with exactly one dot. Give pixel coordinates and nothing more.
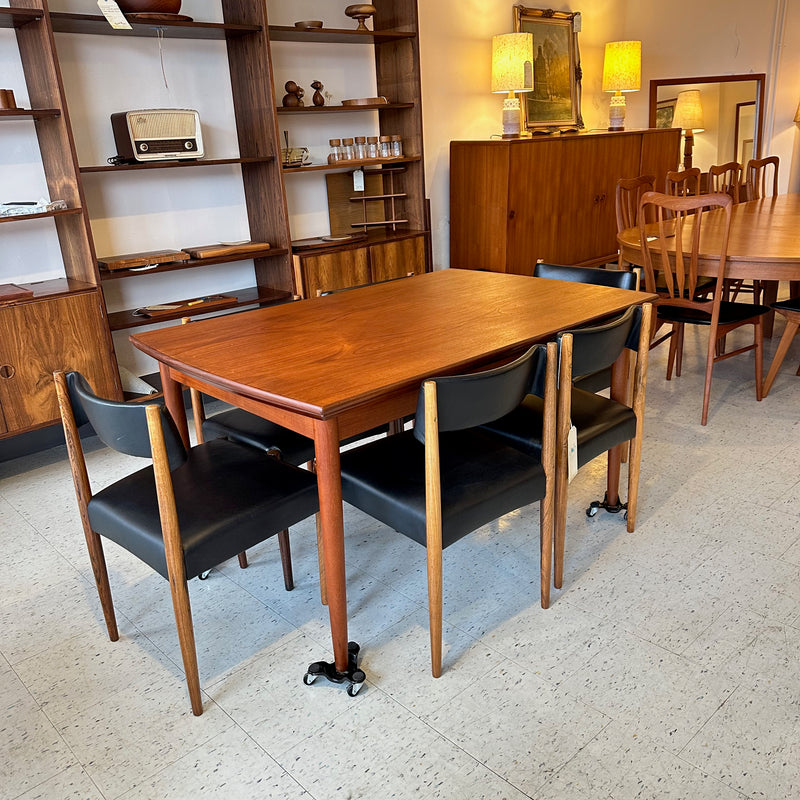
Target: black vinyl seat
(446, 477)
(601, 423)
(188, 511)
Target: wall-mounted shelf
(192, 263)
(335, 109)
(349, 165)
(17, 17)
(255, 295)
(64, 22)
(288, 33)
(200, 162)
(28, 113)
(64, 212)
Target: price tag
(572, 452)
(110, 10)
(358, 180)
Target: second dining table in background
(332, 367)
(764, 244)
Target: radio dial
(188, 145)
(144, 147)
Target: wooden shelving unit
(69, 315)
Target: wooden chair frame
(756, 177)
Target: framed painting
(665, 111)
(555, 101)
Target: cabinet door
(591, 168)
(43, 336)
(396, 259)
(536, 187)
(329, 271)
(660, 154)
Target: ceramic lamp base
(616, 113)
(511, 118)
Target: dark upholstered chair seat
(601, 424)
(482, 479)
(241, 426)
(221, 487)
(246, 428)
(728, 313)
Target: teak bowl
(149, 6)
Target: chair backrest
(616, 278)
(671, 244)
(628, 194)
(756, 177)
(466, 401)
(598, 347)
(725, 179)
(682, 183)
(122, 426)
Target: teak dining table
(331, 367)
(764, 243)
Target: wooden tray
(10, 291)
(328, 241)
(149, 258)
(216, 250)
(195, 305)
(365, 101)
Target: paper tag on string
(358, 180)
(110, 10)
(572, 452)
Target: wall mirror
(733, 116)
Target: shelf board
(288, 33)
(64, 22)
(374, 236)
(123, 320)
(339, 108)
(29, 113)
(44, 215)
(366, 197)
(200, 162)
(56, 287)
(347, 165)
(17, 17)
(191, 264)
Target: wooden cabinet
(515, 201)
(40, 336)
(378, 259)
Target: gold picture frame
(555, 101)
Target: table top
(323, 356)
(764, 239)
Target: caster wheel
(353, 648)
(591, 511)
(203, 576)
(309, 678)
(354, 688)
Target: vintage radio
(157, 134)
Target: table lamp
(512, 71)
(688, 115)
(622, 72)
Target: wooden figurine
(360, 12)
(294, 95)
(317, 99)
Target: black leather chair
(616, 278)
(446, 478)
(602, 425)
(188, 511)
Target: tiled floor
(667, 667)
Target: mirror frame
(758, 77)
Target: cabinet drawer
(40, 337)
(396, 259)
(329, 271)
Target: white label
(572, 452)
(358, 180)
(110, 10)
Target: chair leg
(243, 560)
(98, 561)
(560, 514)
(783, 347)
(759, 337)
(712, 343)
(679, 351)
(286, 560)
(673, 346)
(183, 620)
(434, 551)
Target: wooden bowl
(308, 24)
(149, 6)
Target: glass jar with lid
(386, 147)
(372, 147)
(336, 150)
(347, 150)
(397, 146)
(360, 148)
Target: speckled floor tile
(750, 744)
(139, 732)
(230, 765)
(623, 765)
(518, 725)
(71, 784)
(659, 694)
